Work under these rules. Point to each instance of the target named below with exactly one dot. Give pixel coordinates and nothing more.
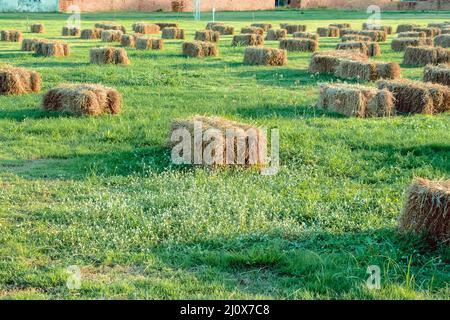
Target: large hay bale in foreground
(111, 35)
(237, 143)
(244, 40)
(173, 33)
(276, 34)
(163, 25)
(149, 44)
(412, 34)
(15, 81)
(356, 100)
(37, 28)
(252, 30)
(437, 74)
(200, 49)
(146, 28)
(421, 56)
(51, 48)
(111, 26)
(82, 99)
(264, 26)
(327, 62)
(224, 29)
(293, 28)
(406, 27)
(10, 35)
(418, 97)
(369, 49)
(306, 35)
(427, 210)
(70, 31)
(367, 70)
(265, 56)
(207, 35)
(370, 26)
(400, 44)
(129, 40)
(91, 34)
(108, 55)
(299, 45)
(210, 25)
(442, 41)
(331, 32)
(429, 32)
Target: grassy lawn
(101, 193)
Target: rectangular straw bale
(146, 28)
(163, 25)
(172, 33)
(407, 27)
(111, 26)
(210, 25)
(37, 28)
(129, 40)
(29, 44)
(356, 100)
(149, 44)
(307, 35)
(276, 34)
(242, 40)
(442, 41)
(421, 56)
(265, 56)
(367, 70)
(369, 26)
(412, 34)
(10, 35)
(343, 25)
(91, 34)
(437, 74)
(200, 49)
(358, 46)
(82, 99)
(355, 37)
(327, 62)
(108, 55)
(207, 35)
(400, 44)
(293, 28)
(71, 31)
(51, 48)
(430, 32)
(111, 35)
(254, 30)
(15, 81)
(264, 26)
(331, 32)
(224, 29)
(427, 211)
(237, 143)
(299, 45)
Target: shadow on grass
(53, 64)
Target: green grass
(101, 193)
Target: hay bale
(29, 44)
(430, 32)
(406, 27)
(440, 25)
(293, 28)
(445, 31)
(37, 28)
(427, 210)
(340, 25)
(374, 35)
(437, 74)
(265, 56)
(51, 48)
(224, 29)
(327, 62)
(163, 25)
(307, 35)
(129, 40)
(412, 34)
(10, 35)
(15, 81)
(172, 33)
(367, 70)
(370, 26)
(418, 97)
(344, 32)
(91, 34)
(70, 32)
(276, 34)
(331, 32)
(356, 100)
(252, 30)
(299, 45)
(149, 43)
(442, 41)
(207, 35)
(108, 55)
(238, 143)
(370, 49)
(111, 26)
(210, 25)
(400, 44)
(82, 99)
(200, 49)
(264, 26)
(244, 40)
(421, 56)
(111, 35)
(146, 28)
(355, 37)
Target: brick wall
(165, 5)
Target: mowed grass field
(101, 193)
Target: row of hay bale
(421, 56)
(46, 47)
(11, 35)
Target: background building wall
(29, 5)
